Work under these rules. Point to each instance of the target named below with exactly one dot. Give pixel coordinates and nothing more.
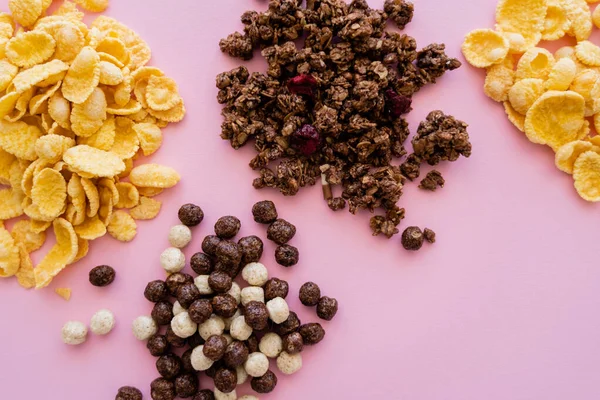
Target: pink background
(504, 305)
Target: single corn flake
(62, 253)
(568, 153)
(104, 138)
(83, 246)
(98, 163)
(26, 12)
(115, 48)
(139, 50)
(49, 192)
(30, 48)
(147, 209)
(580, 19)
(24, 233)
(132, 107)
(154, 175)
(8, 72)
(82, 77)
(498, 81)
(110, 74)
(93, 5)
(129, 196)
(535, 63)
(30, 77)
(523, 17)
(65, 293)
(112, 188)
(69, 38)
(106, 208)
(174, 114)
(149, 191)
(122, 226)
(39, 226)
(87, 118)
(6, 161)
(77, 199)
(126, 143)
(162, 93)
(25, 275)
(556, 23)
(59, 110)
(11, 201)
(92, 195)
(91, 229)
(150, 137)
(596, 17)
(19, 139)
(9, 254)
(562, 74)
(587, 84)
(586, 174)
(556, 118)
(51, 147)
(588, 53)
(524, 93)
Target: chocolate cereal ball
(312, 333)
(276, 288)
(186, 294)
(129, 393)
(224, 305)
(412, 238)
(264, 212)
(225, 380)
(209, 245)
(173, 339)
(291, 324)
(252, 249)
(174, 281)
(287, 255)
(219, 282)
(200, 310)
(156, 291)
(236, 354)
(227, 227)
(168, 366)
(201, 263)
(327, 308)
(162, 389)
(293, 343)
(204, 394)
(229, 254)
(265, 383)
(195, 340)
(215, 347)
(310, 294)
(158, 345)
(186, 361)
(190, 214)
(186, 385)
(256, 315)
(281, 231)
(252, 343)
(162, 313)
(102, 275)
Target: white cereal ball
(177, 308)
(248, 397)
(228, 321)
(235, 292)
(172, 260)
(239, 329)
(201, 282)
(271, 345)
(278, 310)
(180, 236)
(102, 322)
(289, 363)
(183, 326)
(252, 293)
(144, 327)
(256, 365)
(242, 375)
(212, 326)
(225, 396)
(255, 274)
(74, 332)
(228, 338)
(199, 361)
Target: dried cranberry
(396, 104)
(303, 84)
(306, 140)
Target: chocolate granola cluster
(331, 102)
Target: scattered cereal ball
(173, 339)
(287, 255)
(156, 291)
(162, 389)
(264, 212)
(289, 325)
(201, 282)
(213, 326)
(225, 396)
(180, 236)
(242, 375)
(205, 394)
(227, 227)
(102, 275)
(199, 361)
(229, 256)
(186, 358)
(177, 308)
(312, 333)
(271, 345)
(225, 380)
(229, 320)
(172, 260)
(176, 280)
(257, 315)
(293, 343)
(239, 329)
(144, 327)
(202, 264)
(215, 347)
(158, 345)
(256, 274)
(310, 294)
(186, 385)
(187, 294)
(275, 287)
(278, 310)
(224, 305)
(190, 214)
(265, 383)
(219, 281)
(209, 245)
(128, 393)
(169, 366)
(183, 326)
(252, 249)
(327, 308)
(429, 235)
(200, 310)
(236, 354)
(281, 231)
(102, 322)
(256, 364)
(235, 292)
(412, 238)
(252, 294)
(289, 363)
(74, 332)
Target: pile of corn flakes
(77, 107)
(553, 98)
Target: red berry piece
(396, 104)
(303, 84)
(306, 140)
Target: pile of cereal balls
(220, 328)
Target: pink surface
(504, 306)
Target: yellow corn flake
(147, 209)
(154, 175)
(26, 12)
(52, 147)
(8, 103)
(7, 73)
(83, 248)
(556, 23)
(126, 142)
(21, 106)
(106, 208)
(23, 232)
(586, 173)
(25, 275)
(587, 84)
(556, 118)
(523, 17)
(481, 48)
(92, 195)
(49, 192)
(19, 139)
(87, 118)
(128, 167)
(122, 94)
(65, 293)
(588, 53)
(39, 103)
(39, 226)
(132, 107)
(62, 253)
(77, 196)
(91, 229)
(30, 48)
(37, 74)
(122, 226)
(6, 160)
(59, 110)
(9, 254)
(175, 114)
(115, 48)
(568, 153)
(69, 10)
(139, 50)
(162, 93)
(524, 93)
(111, 186)
(580, 19)
(82, 77)
(110, 74)
(129, 196)
(93, 161)
(562, 74)
(93, 5)
(27, 177)
(104, 138)
(145, 73)
(149, 192)
(535, 63)
(585, 130)
(11, 201)
(150, 137)
(596, 17)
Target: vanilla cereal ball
(252, 293)
(256, 274)
(289, 363)
(248, 397)
(102, 322)
(271, 345)
(144, 327)
(228, 321)
(183, 326)
(177, 308)
(199, 361)
(278, 310)
(235, 292)
(212, 326)
(201, 282)
(256, 365)
(242, 375)
(74, 332)
(228, 337)
(225, 396)
(180, 236)
(239, 329)
(172, 260)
